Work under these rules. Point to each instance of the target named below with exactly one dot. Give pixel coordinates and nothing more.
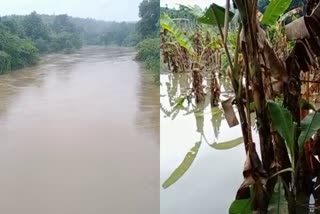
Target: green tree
(120, 34)
(149, 12)
(62, 23)
(34, 27)
(148, 52)
(11, 25)
(21, 51)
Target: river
(79, 134)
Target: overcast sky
(109, 10)
(201, 3)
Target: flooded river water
(79, 134)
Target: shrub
(5, 62)
(148, 48)
(148, 52)
(21, 51)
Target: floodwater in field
(79, 134)
(210, 184)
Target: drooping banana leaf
(274, 10)
(215, 15)
(168, 24)
(183, 167)
(228, 144)
(282, 122)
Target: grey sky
(109, 10)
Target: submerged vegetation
(272, 62)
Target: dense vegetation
(120, 34)
(273, 67)
(148, 34)
(97, 32)
(148, 52)
(23, 38)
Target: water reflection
(216, 119)
(148, 118)
(210, 184)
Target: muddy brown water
(79, 134)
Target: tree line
(24, 38)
